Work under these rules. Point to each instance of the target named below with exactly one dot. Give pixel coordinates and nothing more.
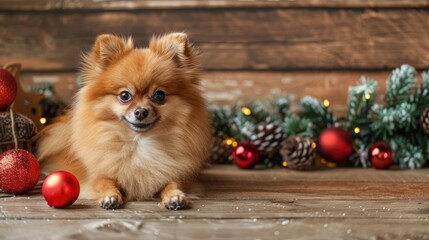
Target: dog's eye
(125, 96)
(158, 96)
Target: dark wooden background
(250, 49)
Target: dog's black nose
(141, 113)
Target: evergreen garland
(396, 122)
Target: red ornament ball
(19, 171)
(8, 89)
(246, 155)
(60, 189)
(335, 144)
(381, 155)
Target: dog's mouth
(139, 126)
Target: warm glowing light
(43, 120)
(313, 144)
(231, 142)
(284, 164)
(326, 103)
(246, 111)
(367, 96)
(331, 164)
(357, 130)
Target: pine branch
(408, 152)
(259, 111)
(400, 85)
(281, 105)
(410, 156)
(242, 128)
(246, 117)
(314, 110)
(383, 125)
(403, 116)
(421, 96)
(361, 99)
(221, 119)
(295, 125)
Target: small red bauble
(19, 171)
(335, 144)
(8, 89)
(60, 189)
(381, 155)
(246, 155)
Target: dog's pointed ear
(175, 46)
(108, 49)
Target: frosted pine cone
(267, 137)
(298, 152)
(219, 150)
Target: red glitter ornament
(19, 171)
(60, 189)
(335, 144)
(8, 89)
(246, 155)
(381, 155)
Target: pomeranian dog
(139, 128)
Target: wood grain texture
(350, 175)
(231, 39)
(239, 87)
(43, 5)
(224, 208)
(217, 229)
(247, 204)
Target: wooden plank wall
(250, 49)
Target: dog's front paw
(177, 202)
(111, 202)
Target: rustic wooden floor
(337, 203)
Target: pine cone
(267, 137)
(219, 151)
(298, 152)
(424, 119)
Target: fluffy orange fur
(117, 161)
